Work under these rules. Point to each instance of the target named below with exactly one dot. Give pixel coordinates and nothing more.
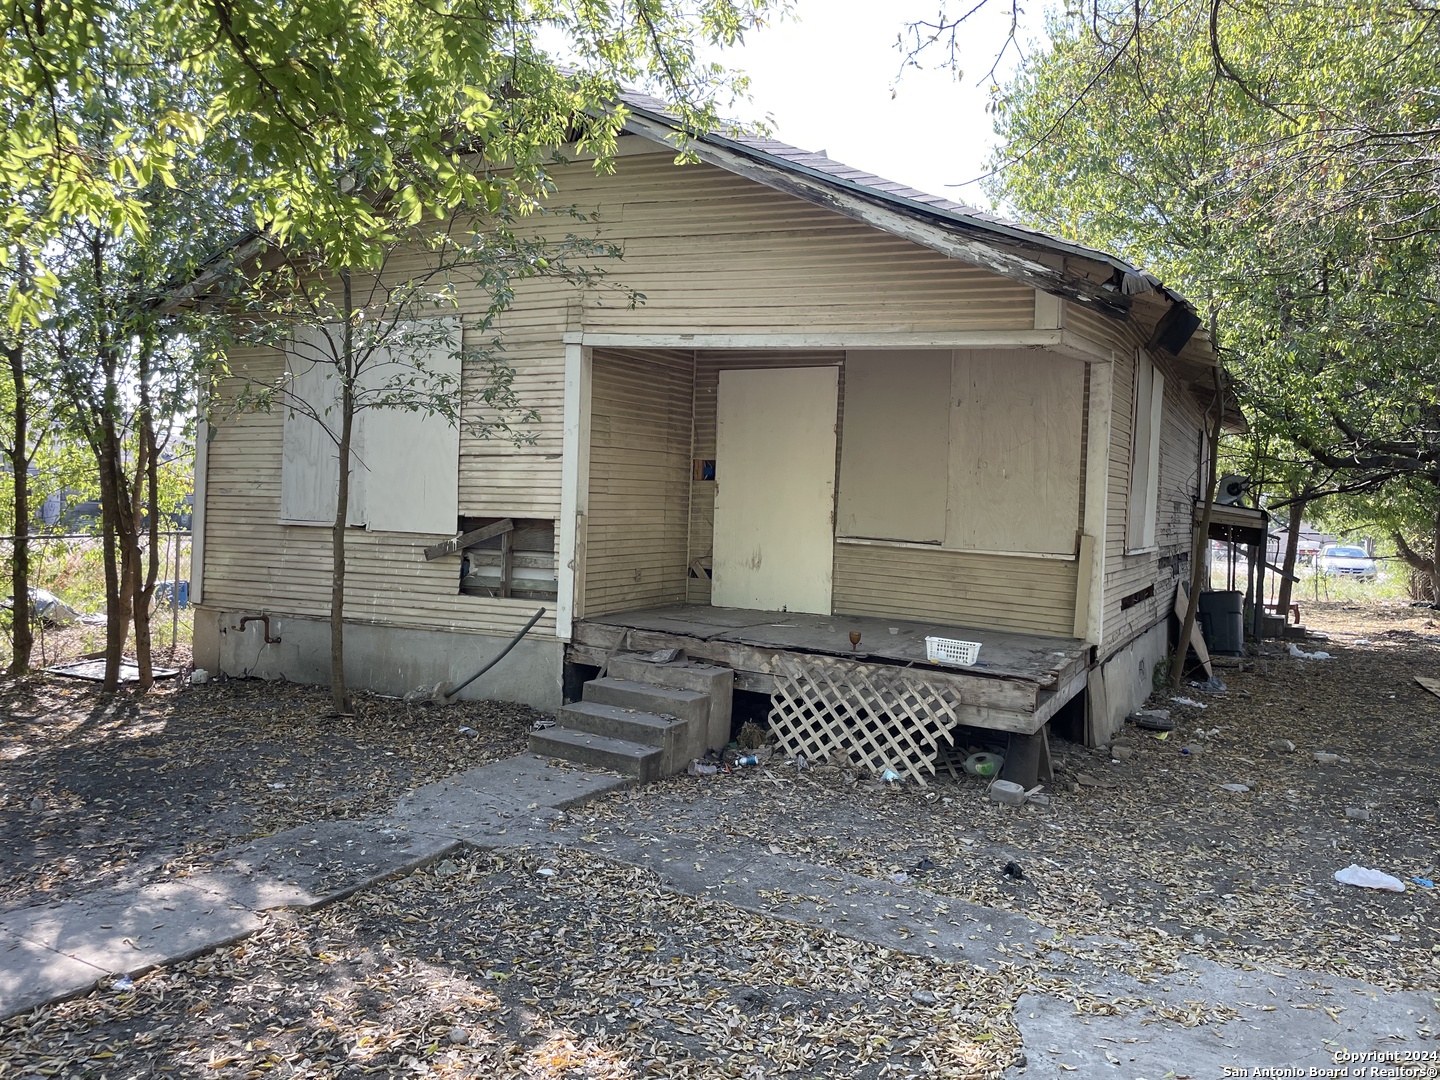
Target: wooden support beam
(507, 562)
(460, 541)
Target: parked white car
(1338, 560)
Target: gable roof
(1108, 284)
(1084, 275)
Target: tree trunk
(339, 697)
(1292, 551)
(22, 635)
(145, 499)
(116, 624)
(1421, 564)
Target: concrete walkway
(1267, 1019)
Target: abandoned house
(846, 418)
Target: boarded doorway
(775, 489)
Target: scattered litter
(890, 776)
(1153, 720)
(468, 732)
(1212, 685)
(1433, 685)
(1238, 789)
(1322, 757)
(801, 762)
(984, 764)
(701, 768)
(1014, 871)
(1189, 701)
(94, 671)
(1357, 813)
(1301, 654)
(900, 877)
(1366, 878)
(1193, 749)
(1007, 792)
(1281, 746)
(278, 786)
(1361, 641)
(662, 656)
(547, 871)
(446, 868)
(541, 724)
(124, 984)
(1423, 882)
(199, 677)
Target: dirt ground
(1159, 853)
(560, 965)
(93, 791)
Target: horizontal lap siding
(253, 564)
(638, 524)
(713, 254)
(1165, 567)
(1004, 592)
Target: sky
(828, 81)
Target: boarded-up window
(977, 450)
(894, 450)
(404, 474)
(1015, 452)
(1145, 454)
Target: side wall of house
(1129, 615)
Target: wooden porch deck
(1019, 683)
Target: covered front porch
(879, 702)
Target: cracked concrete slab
(131, 930)
(32, 975)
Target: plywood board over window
(404, 474)
(894, 456)
(1145, 454)
(1015, 452)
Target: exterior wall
(387, 659)
(1120, 684)
(1168, 563)
(638, 526)
(1004, 592)
(711, 253)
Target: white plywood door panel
(895, 449)
(1015, 452)
(775, 489)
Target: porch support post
(1089, 619)
(197, 513)
(574, 490)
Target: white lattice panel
(868, 715)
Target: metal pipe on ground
(445, 693)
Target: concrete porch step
(615, 722)
(586, 748)
(648, 698)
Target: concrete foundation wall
(1123, 681)
(388, 660)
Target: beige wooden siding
(713, 254)
(638, 527)
(1164, 566)
(1004, 592)
(708, 365)
(253, 564)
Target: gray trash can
(1222, 621)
